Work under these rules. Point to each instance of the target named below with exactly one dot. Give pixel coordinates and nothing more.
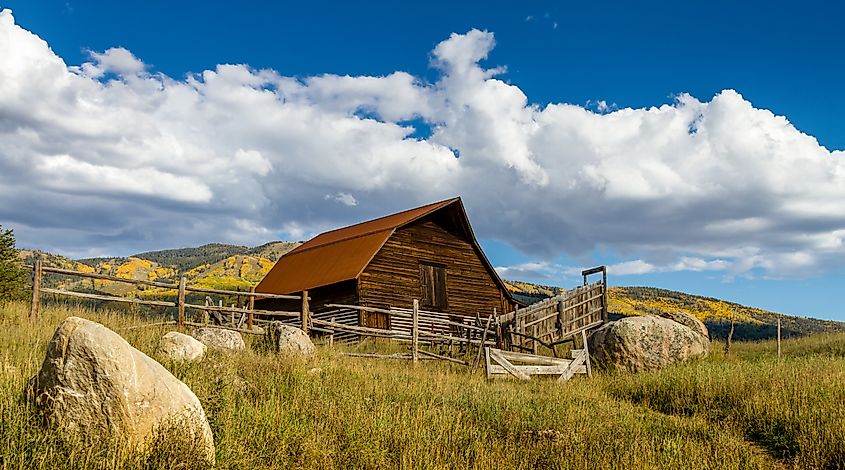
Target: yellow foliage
(621, 302)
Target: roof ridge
(339, 240)
(450, 200)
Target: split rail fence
(547, 323)
(180, 303)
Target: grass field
(748, 410)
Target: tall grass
(270, 412)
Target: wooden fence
(546, 323)
(180, 303)
(557, 319)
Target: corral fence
(546, 323)
(242, 318)
(558, 319)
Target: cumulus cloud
(111, 157)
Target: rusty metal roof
(342, 254)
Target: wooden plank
(222, 327)
(586, 353)
(266, 313)
(532, 359)
(109, 298)
(306, 313)
(483, 339)
(534, 370)
(494, 354)
(250, 320)
(571, 369)
(443, 358)
(35, 306)
(415, 332)
(571, 307)
(487, 364)
(180, 303)
(234, 292)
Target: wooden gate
(499, 363)
(557, 319)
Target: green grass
(749, 410)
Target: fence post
(499, 333)
(180, 304)
(778, 336)
(604, 294)
(250, 316)
(36, 289)
(415, 332)
(306, 314)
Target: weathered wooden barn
(428, 253)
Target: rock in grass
(94, 385)
(688, 320)
(290, 340)
(181, 347)
(645, 343)
(220, 339)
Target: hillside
(235, 267)
(215, 265)
(751, 323)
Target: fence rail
(182, 289)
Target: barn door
(375, 319)
(433, 286)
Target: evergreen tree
(13, 278)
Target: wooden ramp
(500, 363)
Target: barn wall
(393, 276)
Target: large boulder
(93, 385)
(289, 340)
(220, 339)
(645, 343)
(688, 320)
(181, 347)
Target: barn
(428, 253)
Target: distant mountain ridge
(236, 267)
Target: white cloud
(110, 156)
(530, 270)
(344, 198)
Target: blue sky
(711, 211)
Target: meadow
(748, 409)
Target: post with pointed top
(250, 316)
(36, 289)
(306, 313)
(180, 303)
(415, 332)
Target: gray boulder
(690, 321)
(181, 347)
(645, 343)
(94, 385)
(220, 339)
(290, 340)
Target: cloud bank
(111, 157)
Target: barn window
(433, 286)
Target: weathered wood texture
(557, 318)
(393, 276)
(499, 363)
